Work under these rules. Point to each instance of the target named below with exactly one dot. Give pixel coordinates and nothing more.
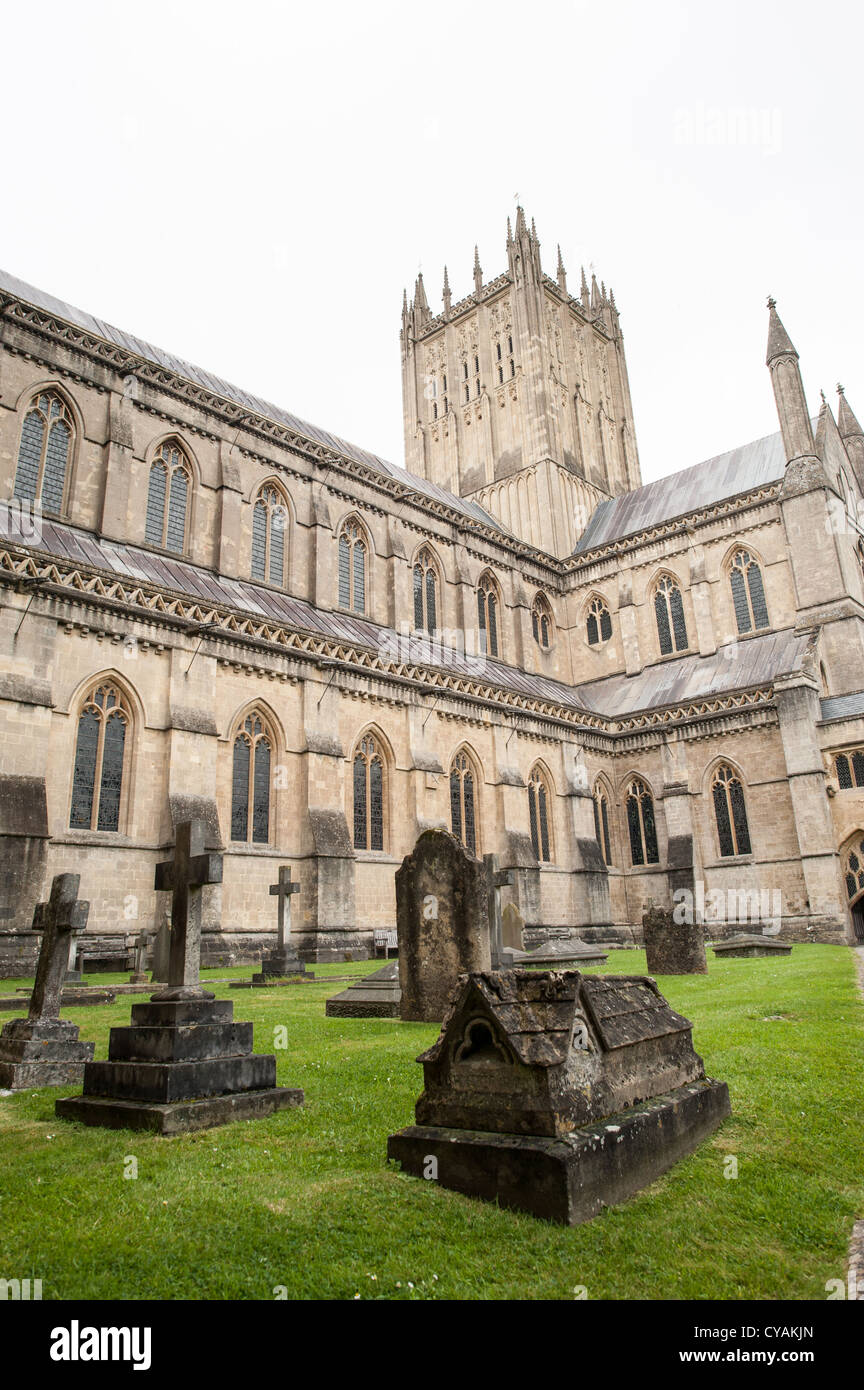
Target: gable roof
(199, 377)
(738, 470)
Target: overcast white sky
(251, 186)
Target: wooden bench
(389, 940)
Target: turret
(782, 361)
(852, 435)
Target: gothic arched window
(748, 593)
(599, 623)
(730, 812)
(850, 769)
(250, 781)
(601, 822)
(538, 815)
(352, 568)
(854, 870)
(269, 527)
(641, 824)
(669, 611)
(368, 795)
(463, 818)
(100, 759)
(44, 452)
(168, 498)
(541, 623)
(487, 615)
(425, 593)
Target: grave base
(374, 996)
(178, 1117)
(41, 1053)
(568, 1180)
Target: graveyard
(303, 1203)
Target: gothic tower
(517, 396)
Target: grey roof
(218, 387)
(749, 466)
(843, 706)
(735, 667)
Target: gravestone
(161, 953)
(76, 953)
(43, 1049)
(747, 944)
(375, 996)
(442, 916)
(496, 879)
(512, 929)
(141, 945)
(673, 948)
(284, 961)
(571, 951)
(184, 1064)
(558, 1093)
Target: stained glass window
(352, 568)
(44, 452)
(669, 611)
(250, 781)
(599, 623)
(462, 802)
(850, 769)
(730, 812)
(538, 815)
(269, 524)
(601, 822)
(641, 824)
(541, 623)
(168, 494)
(748, 593)
(368, 795)
(487, 616)
(100, 757)
(425, 593)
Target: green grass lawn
(306, 1199)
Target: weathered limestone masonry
(211, 609)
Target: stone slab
(190, 1042)
(180, 1117)
(571, 1179)
(165, 1082)
(561, 952)
(69, 999)
(374, 996)
(745, 944)
(30, 1075)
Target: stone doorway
(858, 919)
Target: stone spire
(445, 293)
(478, 273)
(852, 435)
(420, 305)
(779, 342)
(586, 300)
(595, 295)
(561, 273)
(795, 427)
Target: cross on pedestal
(283, 890)
(190, 870)
(140, 944)
(61, 917)
(496, 878)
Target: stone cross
(184, 876)
(497, 878)
(141, 945)
(58, 919)
(283, 890)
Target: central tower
(517, 396)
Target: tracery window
(487, 615)
(269, 527)
(730, 812)
(352, 568)
(462, 802)
(250, 780)
(850, 768)
(599, 622)
(44, 452)
(748, 592)
(541, 623)
(601, 822)
(641, 824)
(100, 759)
(854, 870)
(538, 815)
(368, 795)
(425, 593)
(669, 612)
(168, 498)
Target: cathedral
(630, 693)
